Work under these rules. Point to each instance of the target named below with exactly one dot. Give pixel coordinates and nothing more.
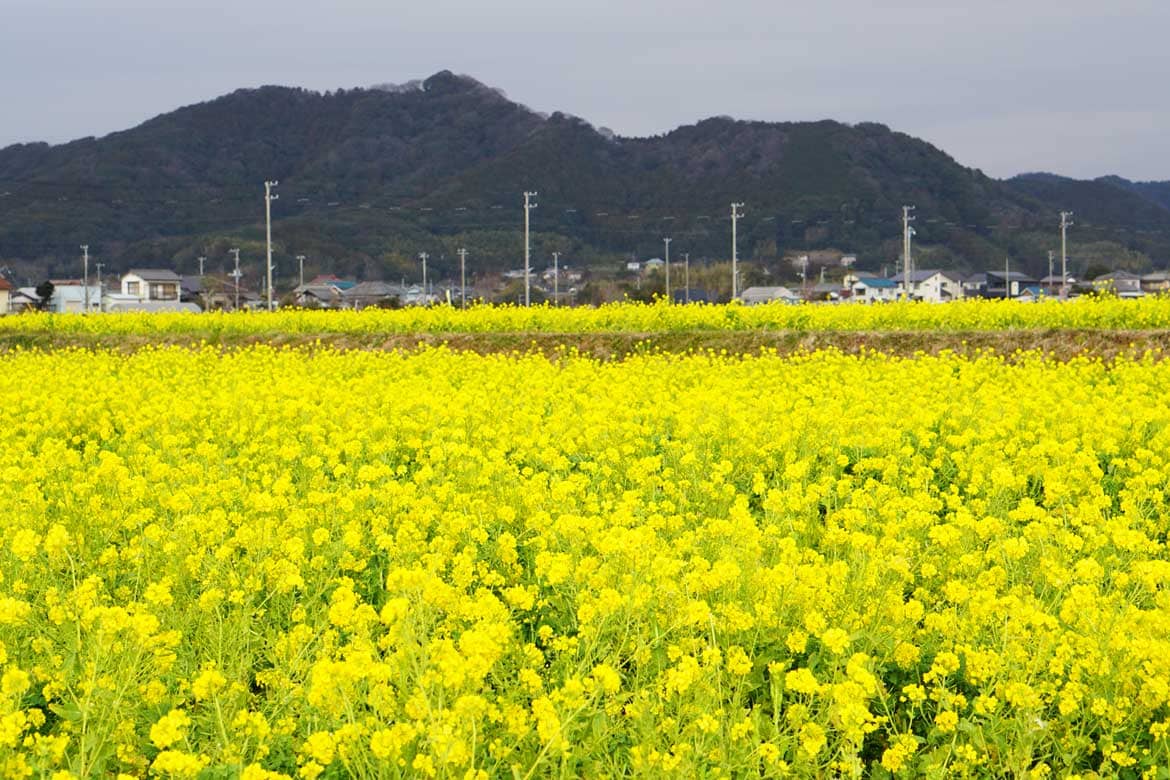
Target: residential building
(824, 291)
(755, 295)
(6, 291)
(366, 294)
(23, 299)
(1015, 284)
(69, 296)
(1053, 283)
(932, 285)
(1123, 283)
(332, 281)
(871, 289)
(975, 286)
(1033, 293)
(191, 288)
(152, 284)
(1156, 282)
(317, 296)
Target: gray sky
(1072, 87)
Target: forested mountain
(370, 177)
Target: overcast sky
(1073, 87)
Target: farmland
(315, 562)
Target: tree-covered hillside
(371, 177)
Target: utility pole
(907, 232)
(1007, 283)
(528, 207)
(268, 198)
(101, 305)
(556, 278)
(667, 242)
(236, 275)
(85, 272)
(804, 276)
(301, 263)
(463, 278)
(1065, 223)
(1051, 256)
(202, 259)
(736, 215)
(423, 256)
(687, 276)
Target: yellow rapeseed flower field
(313, 563)
(1151, 313)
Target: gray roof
(155, 274)
(917, 277)
(1014, 276)
(1157, 276)
(1117, 275)
(318, 290)
(372, 290)
(767, 293)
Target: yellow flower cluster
(312, 563)
(1150, 313)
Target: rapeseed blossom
(314, 563)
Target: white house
(69, 297)
(152, 284)
(932, 285)
(755, 295)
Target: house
(1156, 282)
(824, 291)
(756, 295)
(975, 286)
(871, 289)
(1033, 293)
(654, 263)
(932, 285)
(191, 288)
(365, 294)
(69, 296)
(1054, 283)
(1123, 283)
(332, 281)
(317, 296)
(6, 291)
(1014, 285)
(152, 284)
(23, 299)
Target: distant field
(1102, 327)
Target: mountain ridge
(371, 176)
